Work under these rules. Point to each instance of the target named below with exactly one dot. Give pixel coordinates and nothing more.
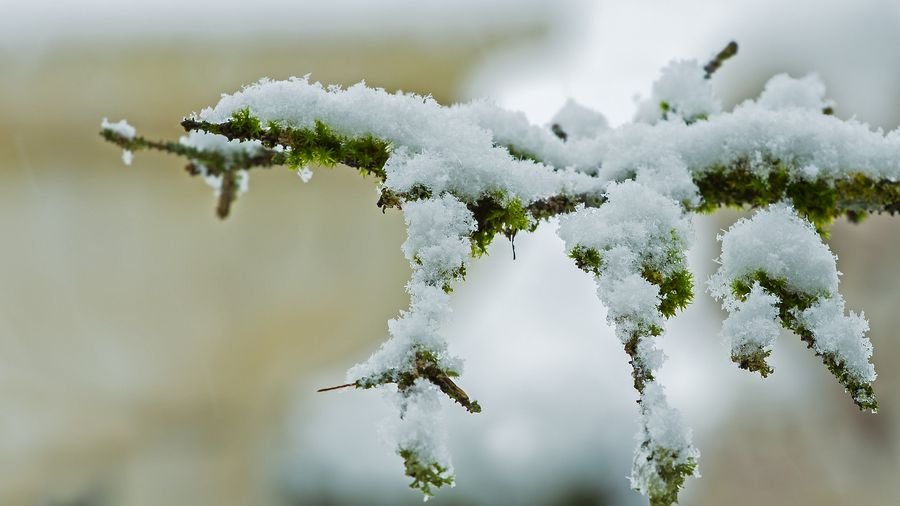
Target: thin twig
(345, 385)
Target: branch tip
(328, 389)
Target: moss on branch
(737, 184)
(790, 304)
(425, 475)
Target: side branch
(730, 50)
(426, 367)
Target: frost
(120, 127)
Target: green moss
(791, 303)
(562, 204)
(666, 108)
(820, 200)
(496, 214)
(319, 145)
(754, 361)
(587, 259)
(246, 123)
(672, 473)
(676, 291)
(521, 154)
(425, 475)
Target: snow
(579, 122)
(461, 149)
(841, 335)
(634, 217)
(784, 92)
(420, 429)
(438, 147)
(662, 427)
(305, 174)
(783, 245)
(120, 127)
(752, 324)
(638, 227)
(437, 247)
(778, 242)
(685, 91)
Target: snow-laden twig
(465, 173)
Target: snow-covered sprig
(776, 271)
(635, 246)
(464, 174)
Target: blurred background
(151, 354)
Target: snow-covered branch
(624, 196)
